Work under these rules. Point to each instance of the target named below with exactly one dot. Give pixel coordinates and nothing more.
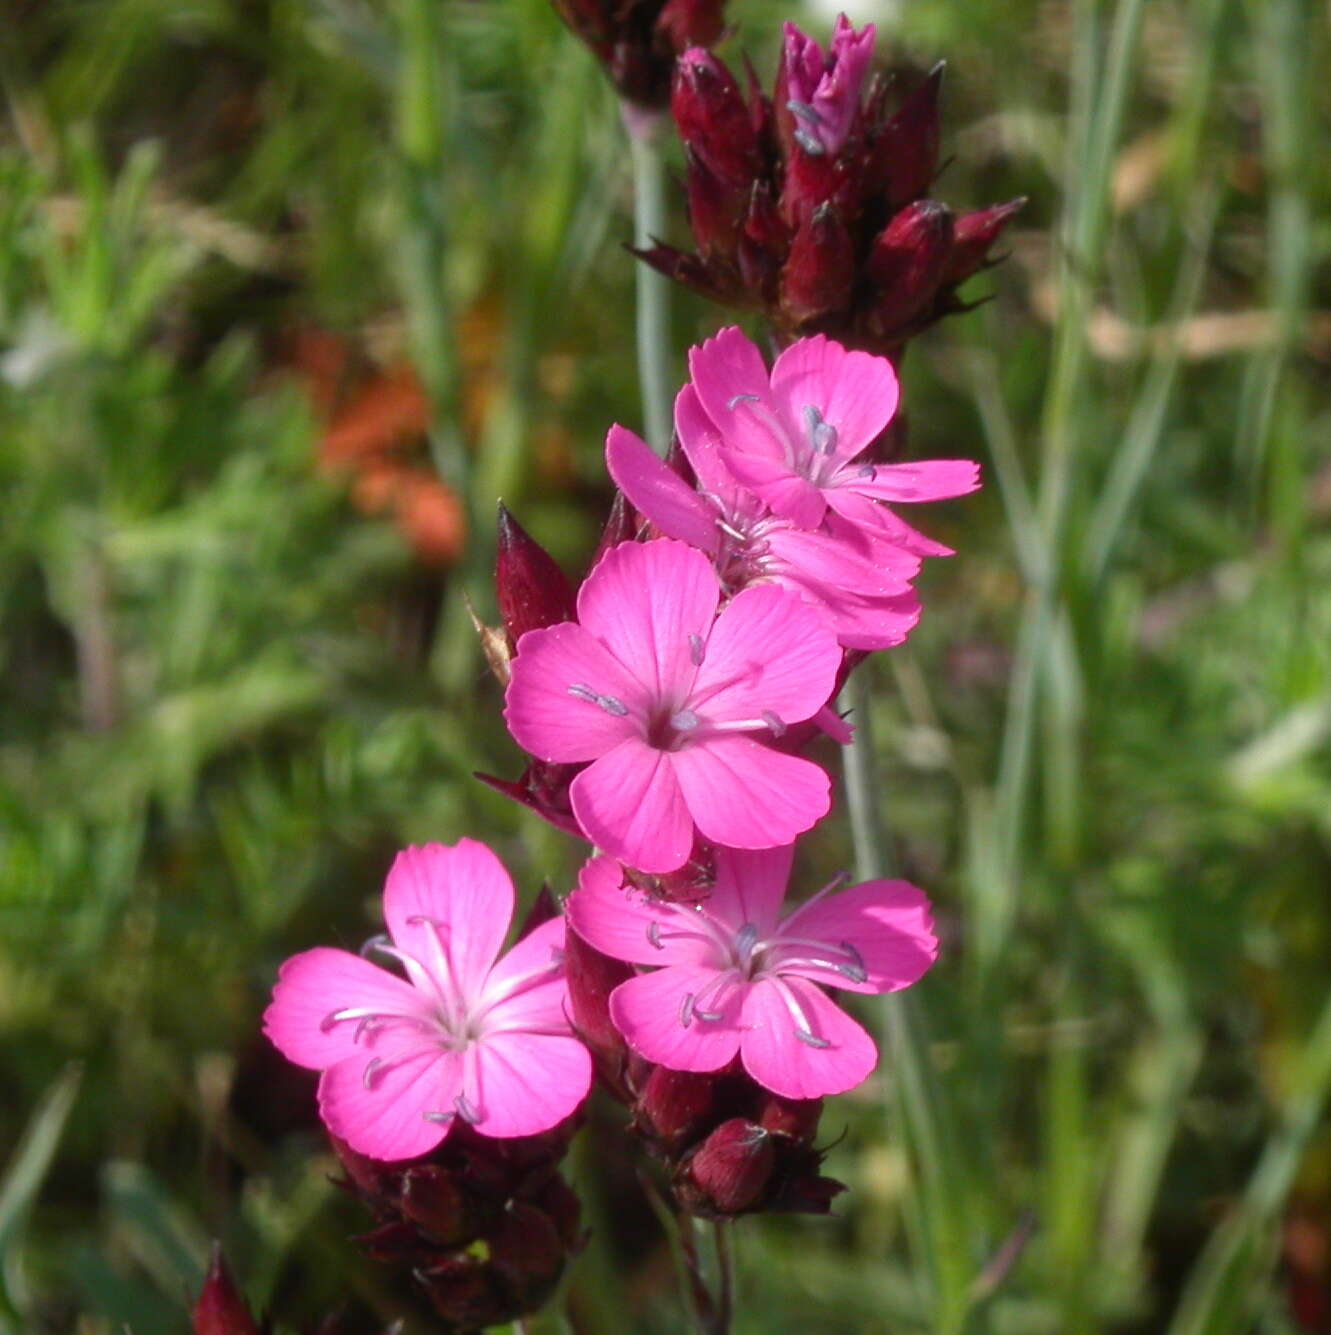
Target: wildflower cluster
(674, 707)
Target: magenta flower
(737, 977)
(823, 91)
(467, 1033)
(672, 705)
(794, 438)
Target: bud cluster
(812, 205)
(484, 1225)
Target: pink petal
(873, 623)
(522, 1084)
(788, 494)
(836, 727)
(702, 447)
(644, 601)
(628, 802)
(383, 1115)
(828, 559)
(855, 392)
(658, 491)
(890, 925)
(648, 1011)
(463, 888)
(526, 988)
(770, 651)
(928, 480)
(313, 985)
(787, 1065)
(879, 524)
(554, 724)
(750, 886)
(616, 918)
(746, 795)
(726, 366)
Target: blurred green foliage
(229, 693)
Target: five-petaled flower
(466, 1034)
(673, 704)
(738, 977)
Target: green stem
(653, 289)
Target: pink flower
(672, 704)
(739, 977)
(466, 1033)
(823, 92)
(794, 437)
(865, 587)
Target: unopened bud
(686, 23)
(820, 271)
(797, 1118)
(713, 118)
(730, 1170)
(674, 1105)
(432, 1198)
(907, 262)
(904, 157)
(527, 1254)
(715, 209)
(220, 1308)
(530, 588)
(974, 234)
(592, 977)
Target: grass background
(270, 269)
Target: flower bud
(730, 1170)
(907, 262)
(797, 1118)
(592, 977)
(220, 1308)
(432, 1198)
(530, 588)
(820, 271)
(904, 157)
(715, 209)
(974, 234)
(674, 1104)
(686, 23)
(714, 120)
(526, 1254)
(621, 524)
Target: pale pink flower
(467, 1033)
(738, 977)
(823, 91)
(672, 705)
(794, 437)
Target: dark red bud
(465, 1291)
(543, 908)
(220, 1308)
(560, 1203)
(674, 1104)
(543, 788)
(797, 1118)
(974, 234)
(433, 1199)
(820, 271)
(907, 262)
(730, 1170)
(592, 977)
(715, 209)
(526, 1252)
(621, 524)
(686, 23)
(713, 118)
(530, 588)
(904, 156)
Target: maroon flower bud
(530, 588)
(797, 1118)
(715, 209)
(907, 263)
(621, 524)
(973, 235)
(433, 1199)
(730, 1170)
(674, 1105)
(686, 23)
(543, 788)
(904, 156)
(220, 1308)
(526, 1254)
(465, 1291)
(820, 273)
(592, 977)
(561, 1205)
(714, 119)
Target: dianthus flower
(673, 704)
(467, 1033)
(739, 978)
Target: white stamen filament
(803, 1031)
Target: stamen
(686, 1010)
(695, 648)
(374, 943)
(812, 1040)
(612, 706)
(685, 721)
(858, 961)
(368, 1025)
(774, 722)
(452, 1002)
(654, 935)
(805, 112)
(443, 1118)
(466, 1110)
(865, 471)
(792, 1003)
(736, 399)
(745, 939)
(835, 883)
(808, 143)
(822, 434)
(582, 691)
(368, 1074)
(716, 987)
